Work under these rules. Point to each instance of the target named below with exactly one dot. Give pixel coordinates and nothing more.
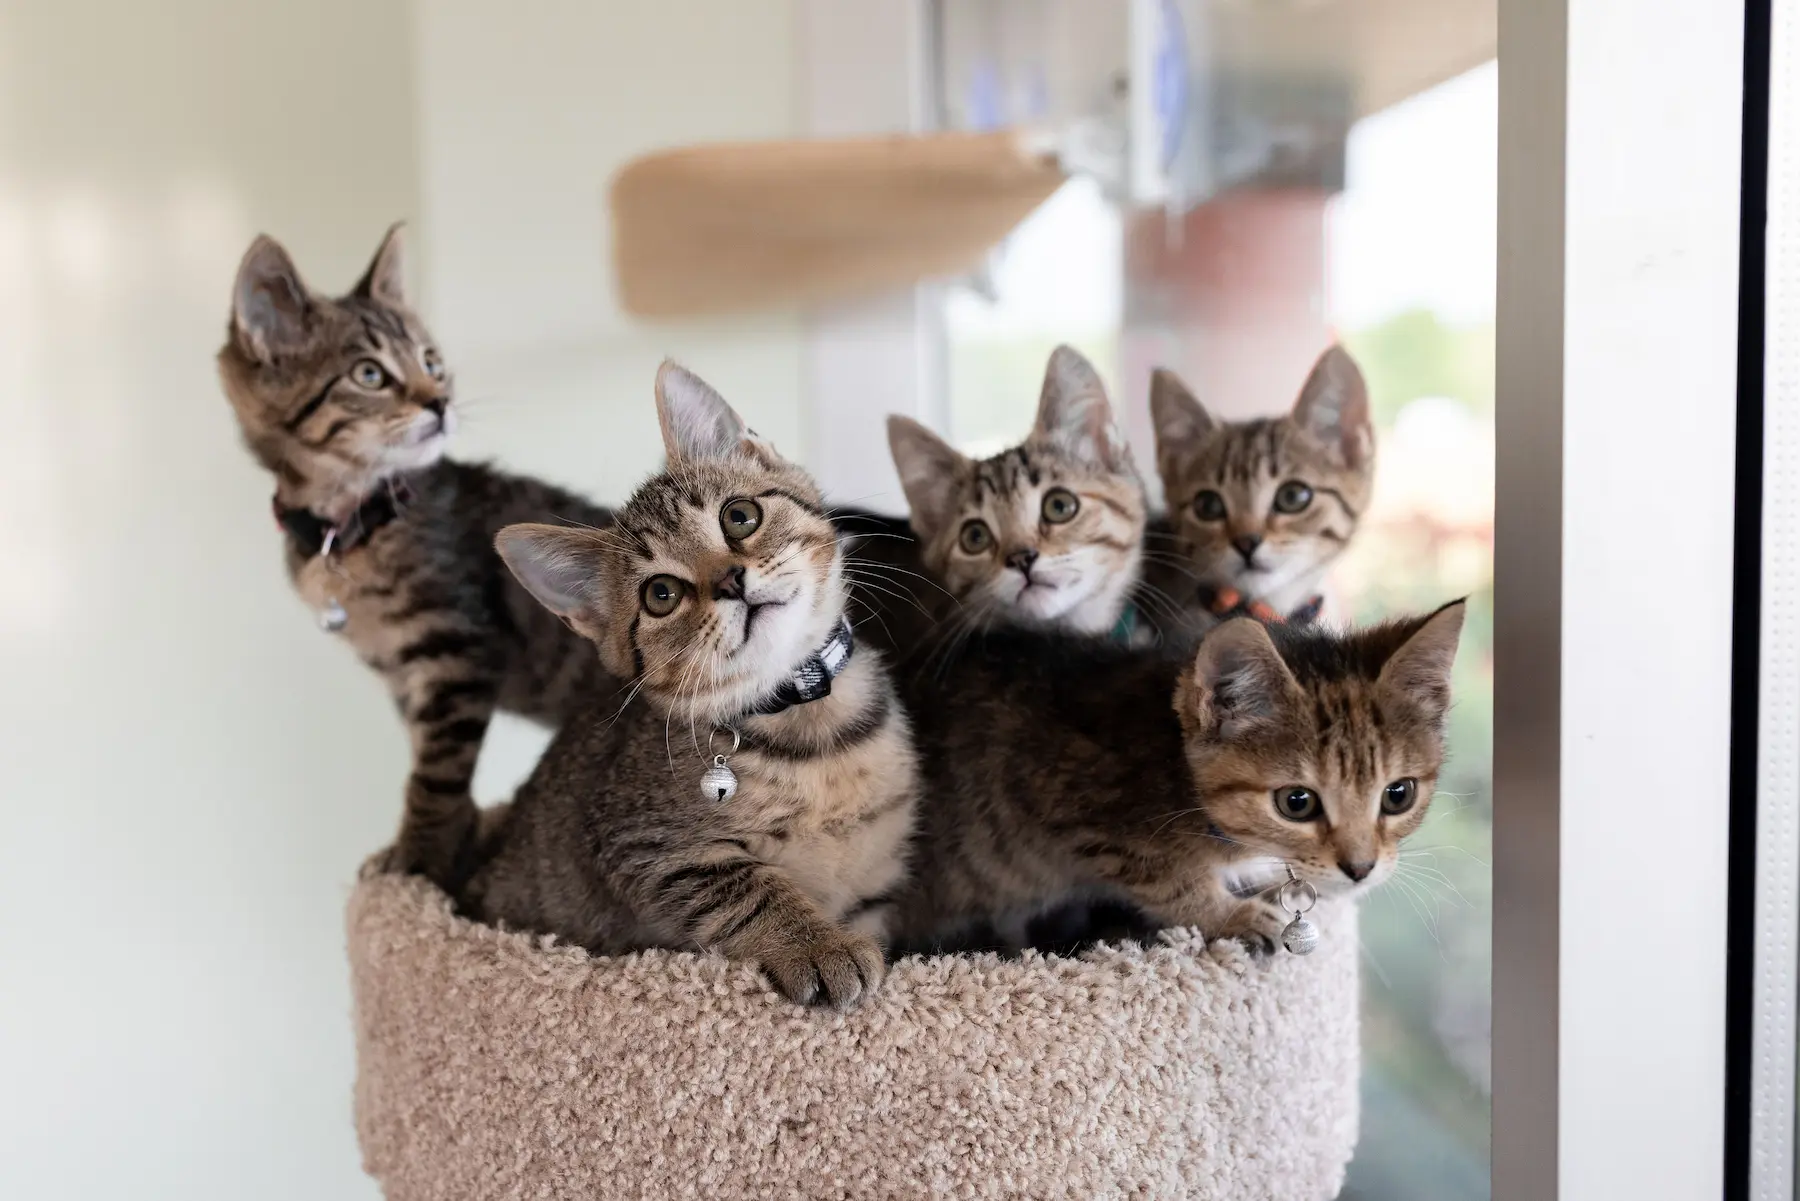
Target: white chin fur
(780, 640)
(1077, 605)
(1333, 883)
(1044, 600)
(1282, 585)
(415, 455)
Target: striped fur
(431, 608)
(1047, 534)
(1057, 771)
(610, 844)
(1222, 483)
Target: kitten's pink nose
(1021, 560)
(1358, 871)
(1246, 545)
(730, 585)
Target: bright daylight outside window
(1319, 196)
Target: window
(1614, 352)
(1294, 209)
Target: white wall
(526, 111)
(189, 772)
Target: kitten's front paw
(437, 834)
(1256, 924)
(830, 966)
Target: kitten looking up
(719, 597)
(1259, 509)
(348, 403)
(1057, 770)
(1047, 534)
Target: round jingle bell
(719, 783)
(1300, 936)
(333, 618)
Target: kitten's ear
(270, 306)
(696, 421)
(560, 566)
(1419, 670)
(385, 280)
(929, 468)
(1074, 414)
(1334, 408)
(1182, 423)
(1239, 683)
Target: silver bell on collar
(333, 618)
(719, 783)
(1300, 936)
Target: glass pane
(1320, 172)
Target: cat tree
(494, 1064)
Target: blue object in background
(984, 96)
(1169, 81)
(1037, 93)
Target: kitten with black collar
(348, 403)
(753, 793)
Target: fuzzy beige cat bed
(496, 1065)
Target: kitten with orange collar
(1258, 510)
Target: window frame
(1764, 995)
(1602, 1054)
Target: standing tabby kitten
(347, 402)
(1047, 534)
(719, 595)
(1056, 769)
(1259, 509)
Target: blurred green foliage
(1414, 354)
(1427, 935)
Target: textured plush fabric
(495, 1065)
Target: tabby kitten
(719, 595)
(1047, 534)
(347, 402)
(1259, 509)
(1056, 770)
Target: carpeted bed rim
(498, 1064)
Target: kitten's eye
(1292, 497)
(434, 366)
(662, 595)
(1399, 796)
(975, 537)
(1060, 505)
(1209, 506)
(740, 518)
(1297, 804)
(367, 373)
